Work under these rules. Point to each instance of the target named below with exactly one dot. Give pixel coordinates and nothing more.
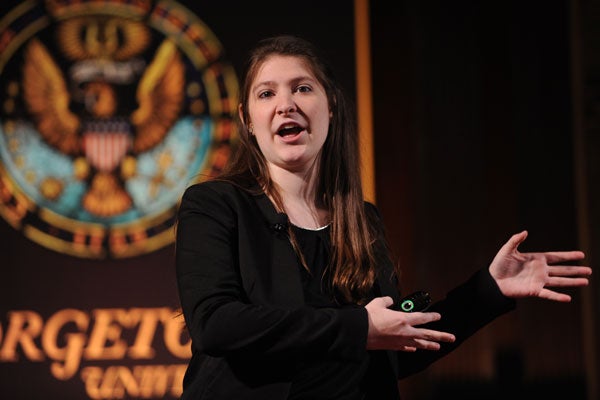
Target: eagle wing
(160, 97)
(47, 99)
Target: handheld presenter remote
(417, 301)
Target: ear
(241, 113)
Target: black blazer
(243, 303)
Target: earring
(251, 128)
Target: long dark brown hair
(339, 186)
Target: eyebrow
(291, 81)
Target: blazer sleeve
(465, 310)
(222, 322)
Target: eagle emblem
(109, 110)
(105, 137)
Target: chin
(295, 164)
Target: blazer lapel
(285, 277)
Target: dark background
(485, 123)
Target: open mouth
(290, 131)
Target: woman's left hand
(532, 274)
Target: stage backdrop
(108, 111)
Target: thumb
(379, 302)
(384, 301)
(516, 240)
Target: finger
(558, 256)
(554, 296)
(427, 344)
(566, 270)
(410, 349)
(567, 282)
(436, 336)
(420, 318)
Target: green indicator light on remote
(407, 305)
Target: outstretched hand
(532, 274)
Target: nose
(286, 105)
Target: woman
(286, 284)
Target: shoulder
(372, 211)
(209, 187)
(369, 206)
(216, 188)
(216, 197)
(221, 200)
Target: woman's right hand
(397, 330)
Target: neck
(298, 195)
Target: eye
(303, 89)
(265, 94)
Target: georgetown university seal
(108, 110)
